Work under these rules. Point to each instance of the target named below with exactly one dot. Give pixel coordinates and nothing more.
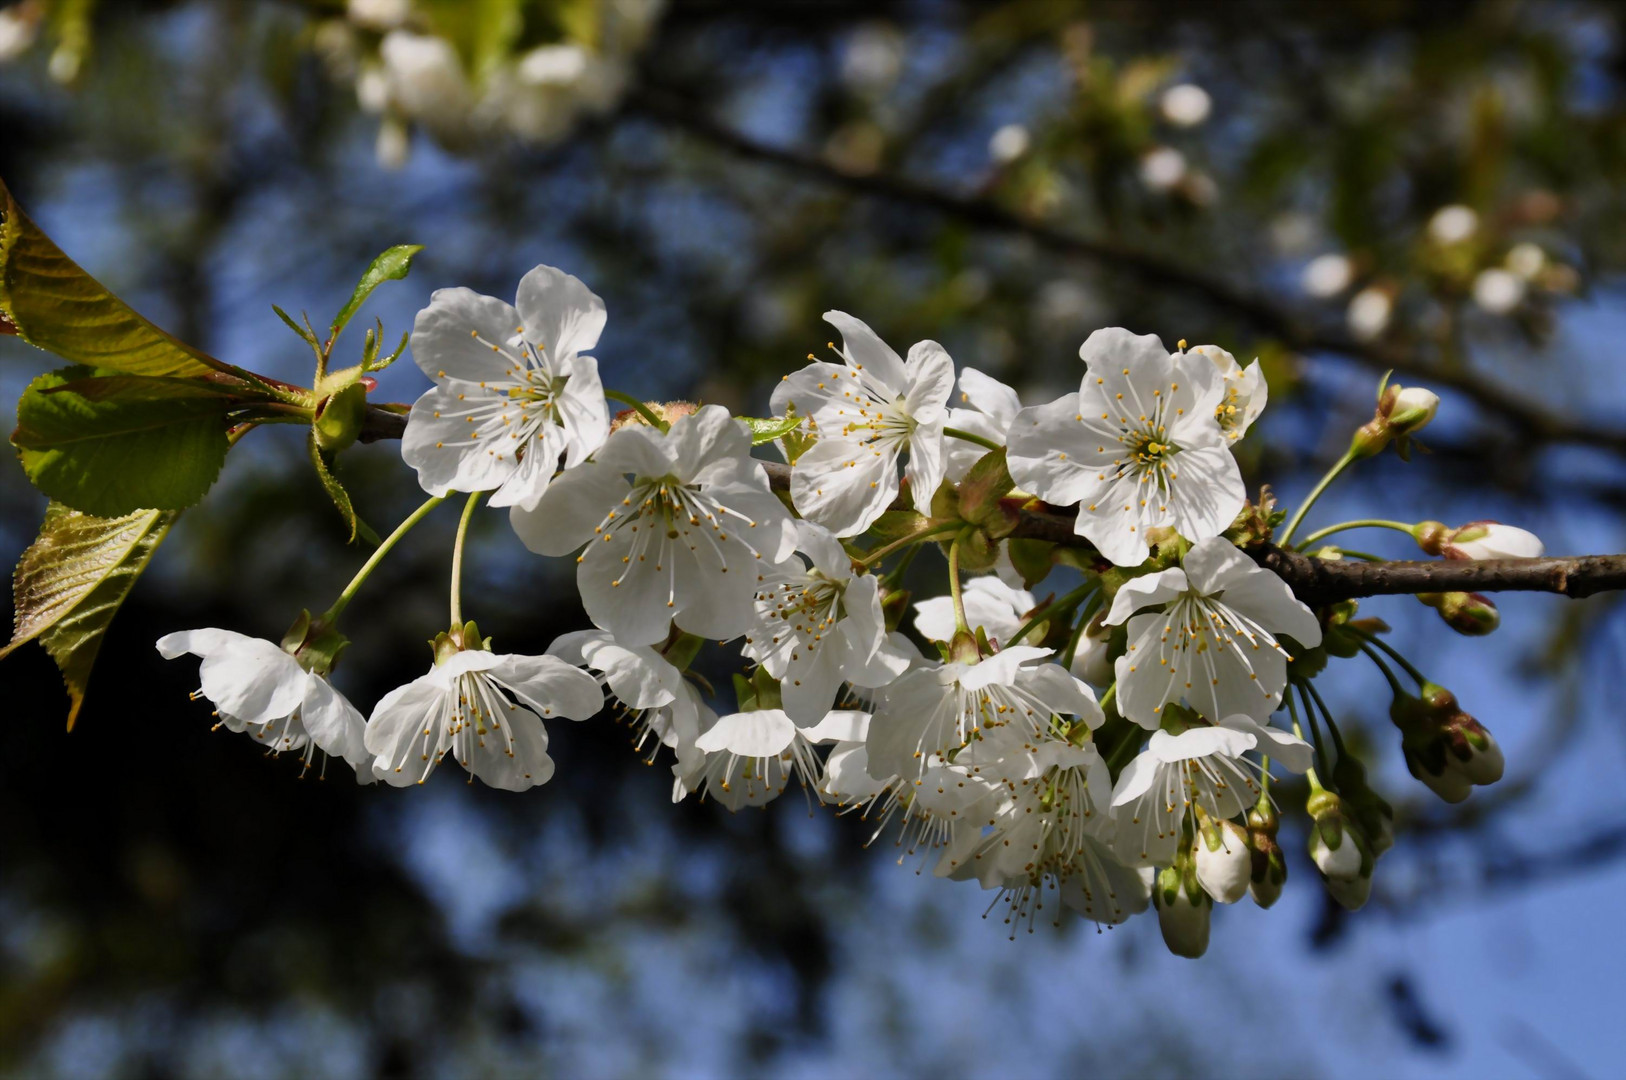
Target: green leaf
(771, 428)
(56, 306)
(392, 265)
(71, 581)
(145, 447)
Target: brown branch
(1513, 406)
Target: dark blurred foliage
(174, 903)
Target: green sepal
(322, 461)
(766, 430)
(339, 417)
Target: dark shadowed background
(1003, 178)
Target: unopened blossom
(990, 603)
(1212, 641)
(662, 704)
(1184, 911)
(866, 411)
(1245, 391)
(1223, 860)
(677, 527)
(1339, 849)
(987, 408)
(1138, 447)
(515, 396)
(1492, 540)
(261, 689)
(818, 624)
(426, 79)
(941, 708)
(1202, 767)
(487, 710)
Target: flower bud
(1410, 409)
(1183, 910)
(1372, 811)
(1223, 860)
(1469, 614)
(1092, 659)
(1339, 850)
(1268, 869)
(1491, 540)
(1445, 747)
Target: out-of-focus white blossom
(1009, 143)
(1452, 224)
(1163, 168)
(1369, 313)
(1498, 291)
(1185, 105)
(1327, 275)
(1526, 260)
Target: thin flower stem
(954, 583)
(457, 558)
(1107, 696)
(1315, 730)
(1315, 493)
(894, 576)
(1394, 654)
(1293, 713)
(1090, 608)
(929, 531)
(958, 433)
(1264, 781)
(377, 557)
(639, 407)
(1364, 523)
(1056, 607)
(1388, 673)
(1326, 714)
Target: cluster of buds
(1445, 748)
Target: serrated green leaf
(766, 430)
(55, 305)
(144, 448)
(391, 265)
(71, 582)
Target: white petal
(404, 733)
(989, 395)
(925, 467)
(455, 337)
(839, 726)
(252, 680)
(1149, 590)
(823, 550)
(572, 510)
(559, 313)
(865, 349)
(1208, 493)
(550, 686)
(335, 725)
(844, 485)
(758, 733)
(1054, 454)
(931, 382)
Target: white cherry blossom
(1245, 393)
(940, 708)
(260, 689)
(486, 709)
(1492, 540)
(1139, 446)
(989, 603)
(661, 704)
(866, 411)
(515, 396)
(990, 410)
(1212, 640)
(819, 624)
(678, 526)
(1203, 767)
(747, 758)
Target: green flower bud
(1469, 614)
(1268, 865)
(1340, 850)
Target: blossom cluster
(979, 744)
